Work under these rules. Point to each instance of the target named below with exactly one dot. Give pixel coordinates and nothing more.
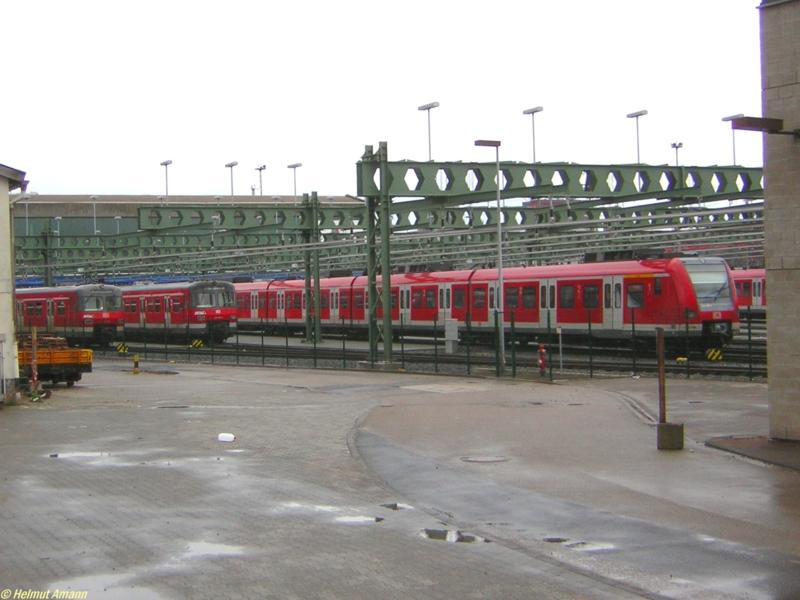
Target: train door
(613, 311)
(445, 300)
(253, 306)
(280, 304)
(548, 316)
(758, 288)
(50, 314)
(61, 310)
(423, 303)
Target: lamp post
(733, 132)
(294, 167)
(166, 165)
(117, 218)
(260, 170)
(230, 166)
(499, 305)
(532, 112)
(677, 146)
(94, 214)
(636, 115)
(427, 108)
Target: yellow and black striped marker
(197, 344)
(713, 354)
(681, 360)
(122, 347)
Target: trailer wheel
(70, 382)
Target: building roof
(16, 178)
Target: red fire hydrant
(542, 360)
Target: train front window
(100, 302)
(710, 282)
(209, 297)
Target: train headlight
(721, 327)
(88, 320)
(690, 314)
(201, 317)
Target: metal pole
(430, 155)
(638, 160)
(500, 306)
(733, 137)
(662, 381)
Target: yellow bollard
(135, 364)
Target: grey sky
(98, 93)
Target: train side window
(511, 299)
(33, 309)
(154, 305)
(617, 295)
(552, 296)
(657, 286)
(458, 298)
(430, 298)
(416, 299)
(757, 289)
(746, 289)
(261, 301)
(566, 296)
(441, 297)
(61, 308)
(635, 295)
(479, 298)
(491, 297)
(343, 301)
(324, 301)
(543, 298)
(359, 299)
(394, 299)
(130, 306)
(529, 297)
(447, 298)
(591, 297)
(177, 305)
(607, 295)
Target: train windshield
(100, 301)
(711, 284)
(212, 297)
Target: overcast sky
(97, 93)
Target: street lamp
(166, 165)
(499, 305)
(427, 108)
(230, 166)
(94, 214)
(677, 146)
(294, 167)
(636, 115)
(260, 170)
(532, 112)
(733, 132)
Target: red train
(677, 294)
(180, 311)
(84, 314)
(751, 289)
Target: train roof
(66, 289)
(179, 285)
(748, 273)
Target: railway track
(734, 361)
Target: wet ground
(370, 485)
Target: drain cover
(484, 459)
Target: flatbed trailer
(55, 360)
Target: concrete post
(9, 369)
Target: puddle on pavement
(484, 459)
(104, 586)
(556, 540)
(451, 536)
(209, 549)
(397, 506)
(310, 507)
(579, 545)
(173, 406)
(357, 519)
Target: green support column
(317, 304)
(386, 262)
(307, 276)
(47, 254)
(372, 296)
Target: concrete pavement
(346, 484)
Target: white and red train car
(83, 314)
(676, 294)
(751, 289)
(180, 311)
